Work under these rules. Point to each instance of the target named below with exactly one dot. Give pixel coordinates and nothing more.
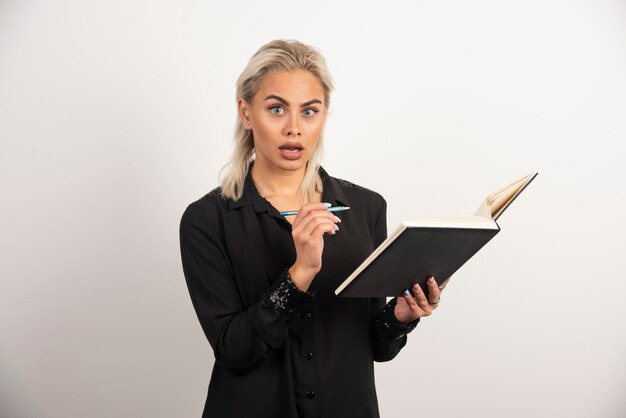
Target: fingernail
(337, 218)
(336, 228)
(416, 287)
(327, 205)
(431, 281)
(406, 293)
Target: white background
(115, 115)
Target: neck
(271, 181)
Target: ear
(244, 113)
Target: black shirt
(281, 352)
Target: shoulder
(206, 212)
(356, 189)
(360, 195)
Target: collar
(333, 193)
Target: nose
(293, 127)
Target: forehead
(298, 85)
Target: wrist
(285, 297)
(400, 317)
(390, 325)
(301, 277)
(403, 320)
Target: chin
(281, 163)
(288, 164)
(293, 165)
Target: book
(416, 250)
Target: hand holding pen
(312, 221)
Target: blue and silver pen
(333, 209)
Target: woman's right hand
(308, 229)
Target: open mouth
(291, 147)
(292, 150)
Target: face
(287, 117)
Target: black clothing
(280, 352)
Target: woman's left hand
(410, 307)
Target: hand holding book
(417, 250)
(409, 307)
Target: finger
(311, 213)
(325, 228)
(316, 218)
(305, 210)
(411, 303)
(434, 293)
(444, 284)
(420, 297)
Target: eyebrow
(280, 99)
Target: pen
(335, 209)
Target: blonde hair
(277, 55)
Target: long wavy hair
(277, 55)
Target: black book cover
(414, 256)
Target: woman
(263, 284)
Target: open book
(416, 250)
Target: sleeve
(241, 337)
(388, 334)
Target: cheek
(312, 145)
(316, 129)
(263, 130)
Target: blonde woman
(262, 283)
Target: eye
(310, 111)
(277, 109)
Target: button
(310, 394)
(308, 356)
(307, 317)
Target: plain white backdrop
(115, 115)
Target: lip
(291, 155)
(287, 145)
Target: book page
(457, 222)
(497, 202)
